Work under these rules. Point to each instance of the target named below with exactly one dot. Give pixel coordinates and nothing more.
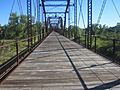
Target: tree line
(16, 27)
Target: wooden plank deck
(60, 64)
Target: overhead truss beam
(54, 12)
(57, 5)
(55, 0)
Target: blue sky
(109, 17)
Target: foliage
(16, 27)
(104, 41)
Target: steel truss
(54, 5)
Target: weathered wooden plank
(47, 68)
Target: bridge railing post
(39, 35)
(42, 33)
(17, 50)
(95, 43)
(114, 46)
(79, 39)
(68, 33)
(34, 39)
(85, 40)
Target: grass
(10, 50)
(7, 52)
(104, 46)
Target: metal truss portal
(66, 4)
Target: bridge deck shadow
(61, 64)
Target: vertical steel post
(38, 19)
(49, 25)
(64, 24)
(44, 13)
(29, 22)
(61, 22)
(42, 23)
(95, 43)
(114, 46)
(46, 26)
(17, 51)
(75, 18)
(89, 28)
(69, 22)
(85, 38)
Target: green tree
(16, 26)
(12, 24)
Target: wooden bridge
(61, 64)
